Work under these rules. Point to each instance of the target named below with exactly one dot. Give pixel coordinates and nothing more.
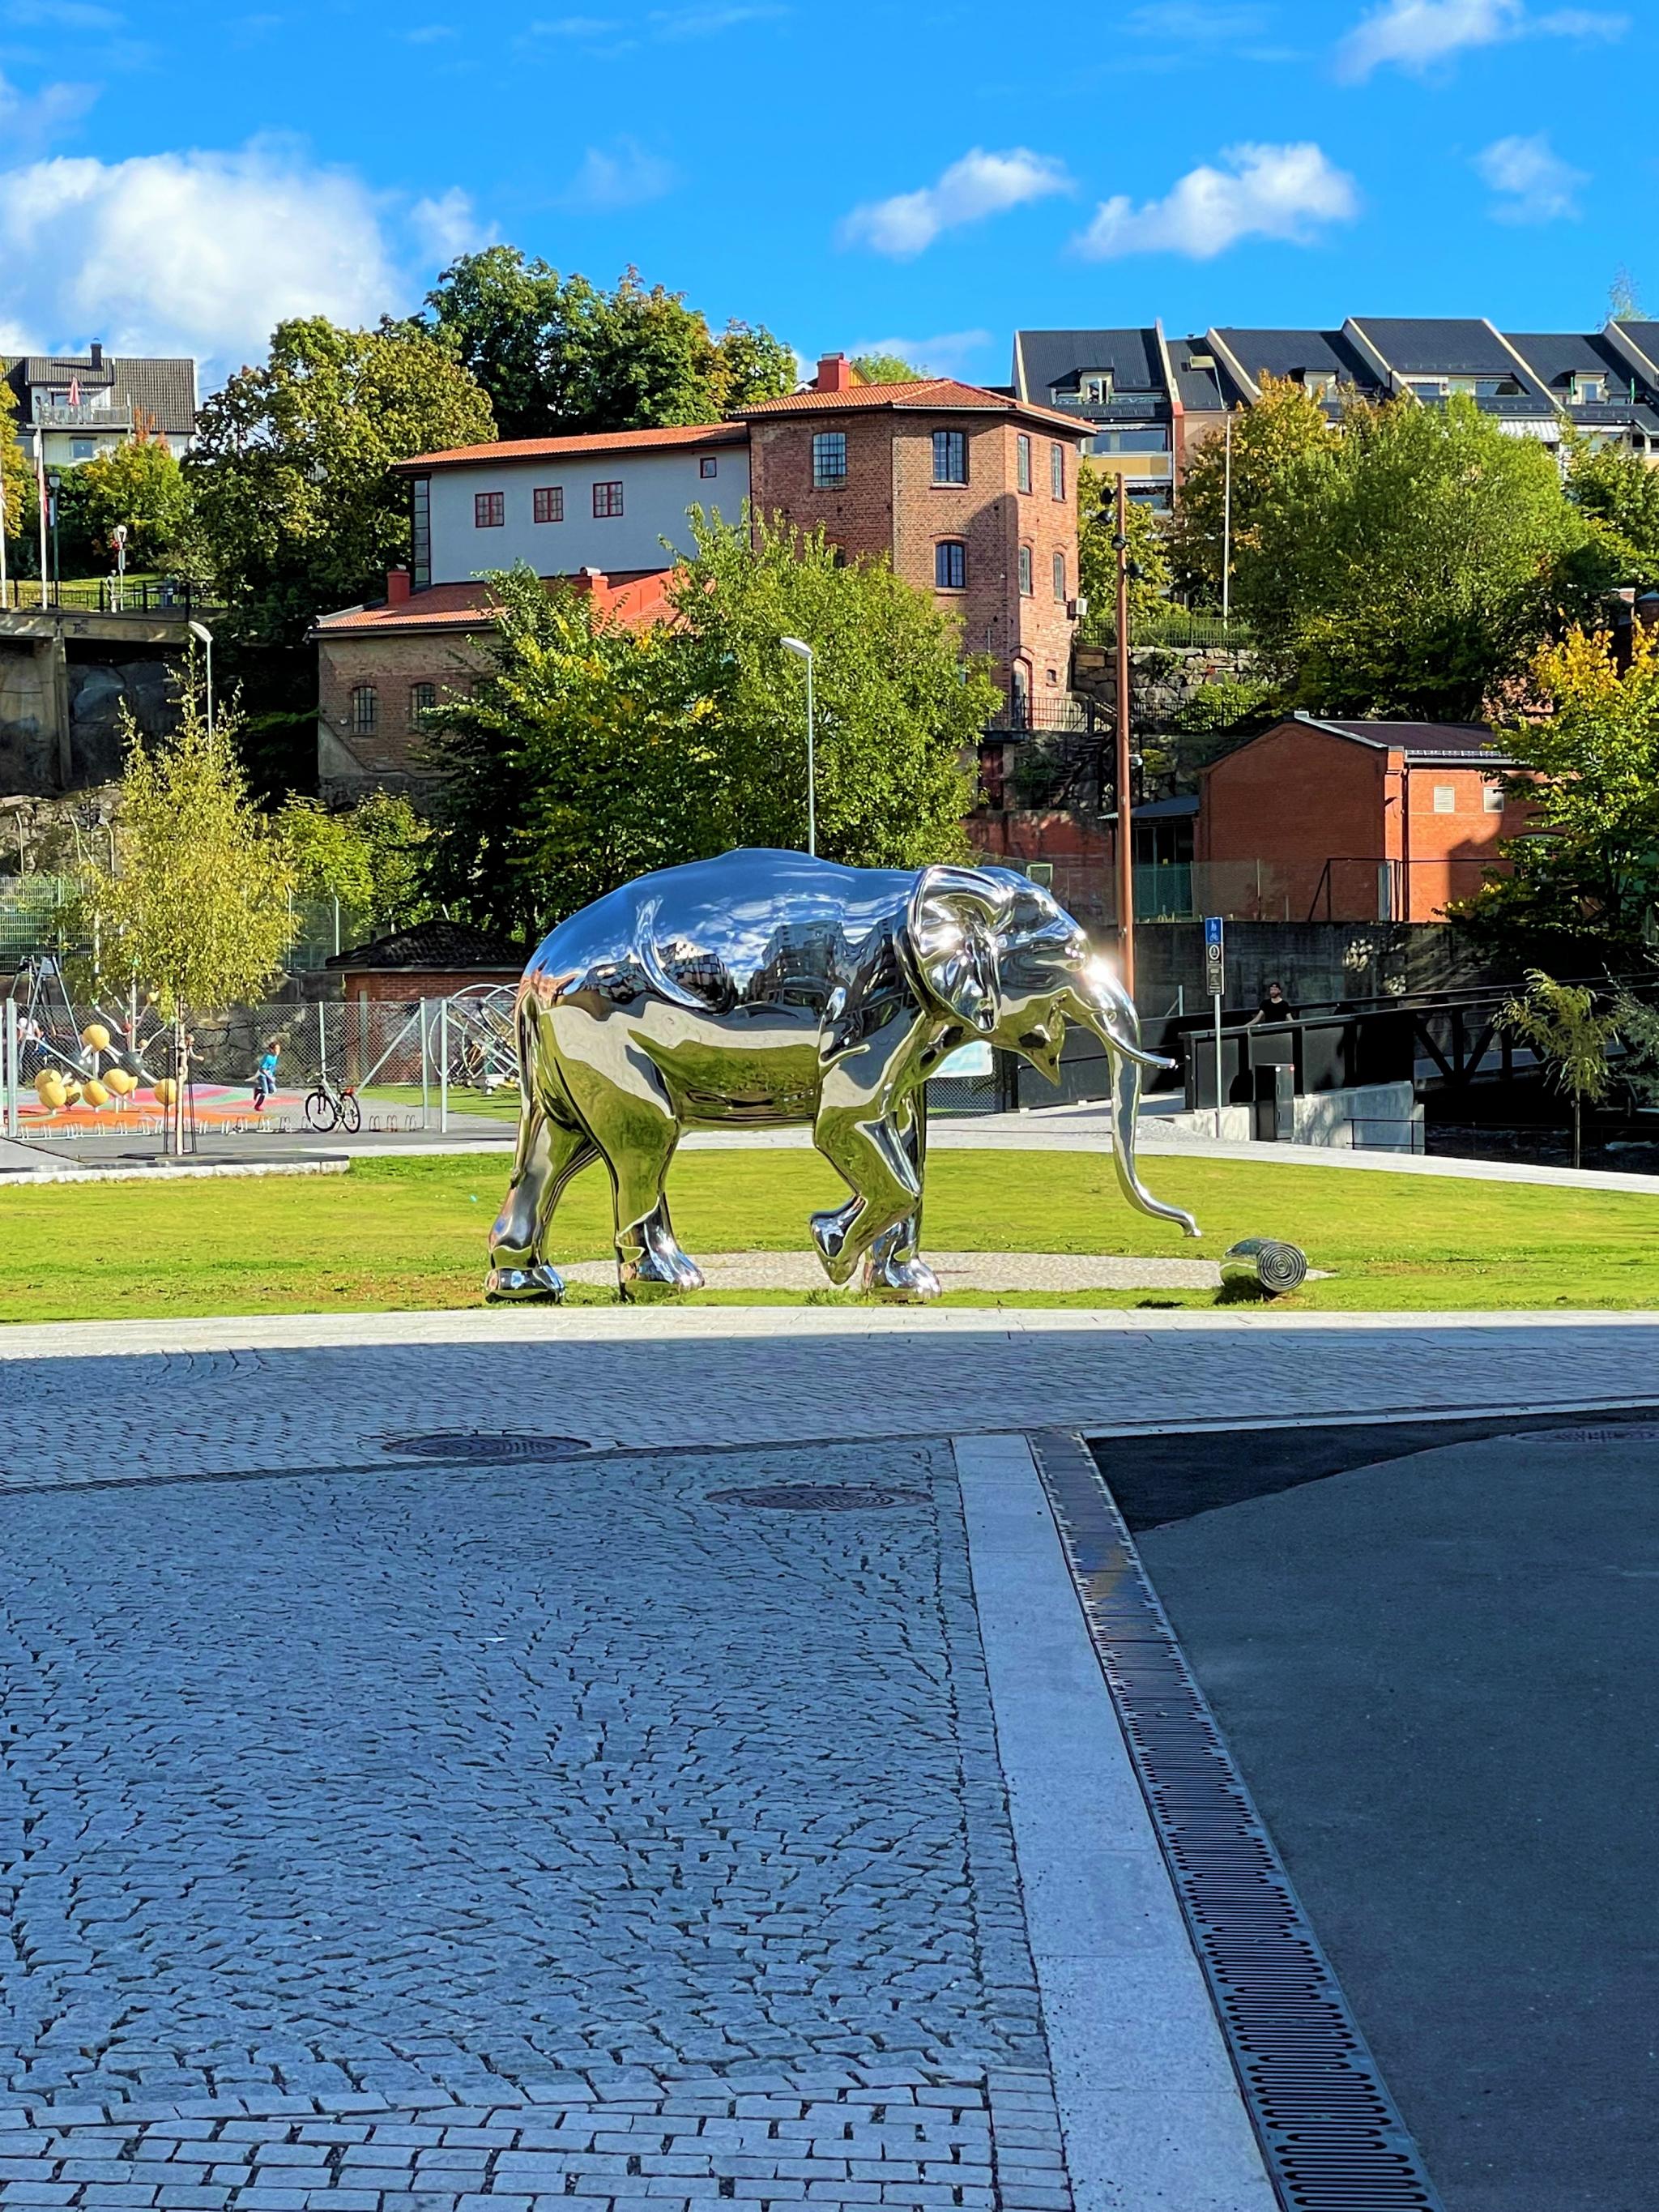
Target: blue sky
(174, 179)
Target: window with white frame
(1493, 798)
(1059, 576)
(1023, 462)
(1057, 471)
(1445, 798)
(1026, 586)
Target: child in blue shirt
(264, 1076)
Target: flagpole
(40, 487)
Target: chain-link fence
(72, 1070)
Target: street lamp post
(204, 636)
(802, 651)
(119, 534)
(1125, 855)
(55, 481)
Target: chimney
(97, 352)
(834, 373)
(397, 586)
(591, 582)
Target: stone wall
(97, 688)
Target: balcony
(50, 414)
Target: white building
(616, 503)
(76, 407)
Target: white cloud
(1416, 34)
(30, 121)
(198, 252)
(1534, 184)
(626, 177)
(977, 185)
(448, 225)
(945, 354)
(1266, 191)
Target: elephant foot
(536, 1282)
(830, 1233)
(652, 1272)
(911, 1278)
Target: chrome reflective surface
(764, 989)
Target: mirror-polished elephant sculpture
(766, 989)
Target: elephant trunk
(1102, 1005)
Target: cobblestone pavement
(573, 1835)
(115, 1402)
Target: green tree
(1096, 554)
(298, 510)
(16, 479)
(197, 906)
(367, 856)
(558, 355)
(1223, 496)
(591, 753)
(1624, 305)
(1617, 492)
(139, 484)
(1586, 873)
(576, 763)
(1408, 567)
(897, 706)
(1560, 1023)
(886, 368)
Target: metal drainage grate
(820, 1498)
(476, 1444)
(1330, 2136)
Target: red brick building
(970, 494)
(1343, 821)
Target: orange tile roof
(637, 599)
(599, 441)
(931, 393)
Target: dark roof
(1200, 389)
(1447, 741)
(1438, 345)
(1554, 356)
(1644, 337)
(1050, 360)
(165, 389)
(435, 944)
(1294, 354)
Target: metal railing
(1169, 625)
(167, 595)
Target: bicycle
(333, 1106)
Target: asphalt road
(1437, 1675)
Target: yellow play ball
(49, 1089)
(166, 1090)
(72, 1092)
(95, 1037)
(121, 1082)
(93, 1094)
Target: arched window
(950, 565)
(1060, 575)
(365, 711)
(1026, 587)
(1019, 697)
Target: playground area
(73, 1074)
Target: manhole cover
(1633, 1432)
(470, 1443)
(820, 1498)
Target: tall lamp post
(55, 483)
(1126, 873)
(203, 637)
(802, 651)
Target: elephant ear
(954, 933)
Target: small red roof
(931, 394)
(637, 599)
(699, 435)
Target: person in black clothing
(1274, 1006)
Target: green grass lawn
(408, 1233)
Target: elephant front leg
(892, 1267)
(874, 1161)
(548, 1155)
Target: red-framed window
(489, 509)
(547, 503)
(608, 499)
(708, 465)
